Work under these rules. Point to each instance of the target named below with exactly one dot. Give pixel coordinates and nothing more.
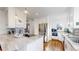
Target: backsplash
(76, 32)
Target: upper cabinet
(76, 17)
(76, 13)
(11, 17)
(16, 17)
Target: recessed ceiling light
(25, 11)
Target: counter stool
(54, 45)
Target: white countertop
(10, 43)
(74, 45)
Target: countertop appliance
(54, 32)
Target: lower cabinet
(68, 46)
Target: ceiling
(36, 12)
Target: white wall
(37, 22)
(52, 20)
(3, 22)
(57, 19)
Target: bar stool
(54, 45)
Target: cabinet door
(76, 17)
(11, 17)
(76, 12)
(15, 14)
(68, 46)
(20, 17)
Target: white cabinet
(68, 46)
(37, 45)
(16, 18)
(71, 18)
(76, 13)
(11, 17)
(76, 17)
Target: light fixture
(16, 16)
(25, 11)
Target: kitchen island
(11, 43)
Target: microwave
(54, 32)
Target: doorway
(42, 28)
